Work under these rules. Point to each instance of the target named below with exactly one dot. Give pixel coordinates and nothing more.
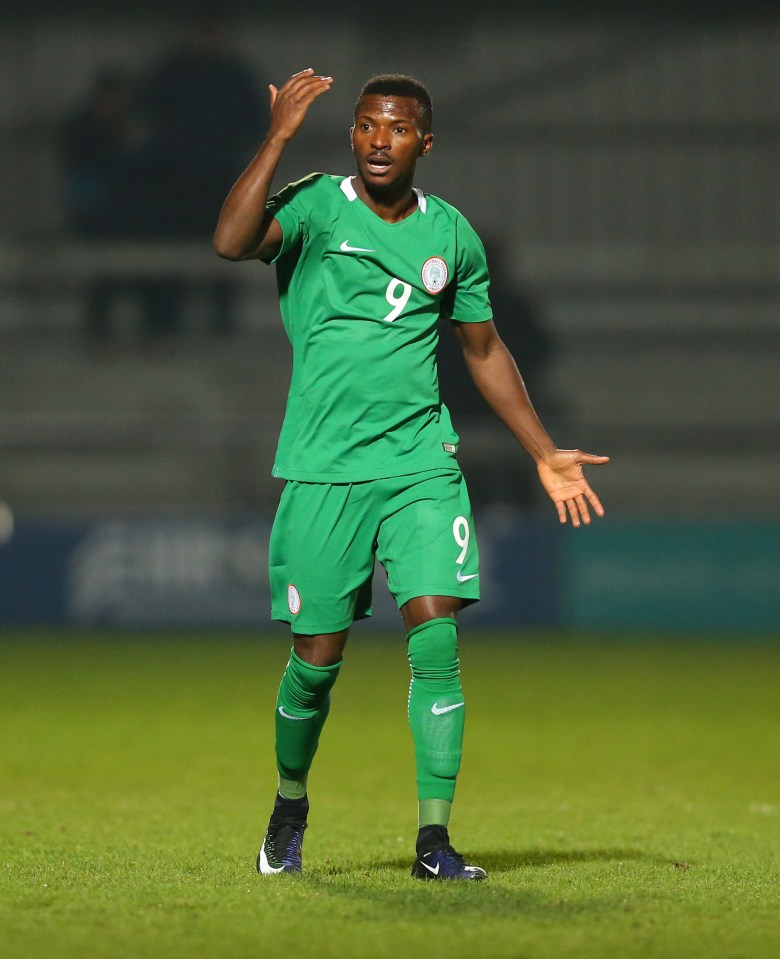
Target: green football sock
(292, 788)
(301, 710)
(436, 716)
(433, 812)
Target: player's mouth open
(377, 164)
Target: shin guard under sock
(436, 708)
(301, 710)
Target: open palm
(561, 475)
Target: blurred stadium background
(623, 170)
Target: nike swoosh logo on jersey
(438, 710)
(462, 579)
(346, 248)
(288, 716)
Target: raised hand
(561, 475)
(290, 102)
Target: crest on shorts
(293, 599)
(434, 274)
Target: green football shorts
(326, 536)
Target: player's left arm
(498, 379)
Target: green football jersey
(360, 300)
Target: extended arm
(497, 378)
(245, 229)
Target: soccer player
(366, 265)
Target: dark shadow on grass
(362, 884)
(537, 858)
(507, 859)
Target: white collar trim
(347, 189)
(349, 192)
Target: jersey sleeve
(291, 208)
(466, 298)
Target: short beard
(385, 188)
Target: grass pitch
(624, 797)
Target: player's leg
(430, 553)
(436, 717)
(302, 706)
(319, 588)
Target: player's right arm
(245, 229)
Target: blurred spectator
(519, 325)
(206, 118)
(100, 155)
(98, 152)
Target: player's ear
(427, 144)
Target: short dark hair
(401, 85)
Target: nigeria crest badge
(434, 274)
(293, 600)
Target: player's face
(387, 140)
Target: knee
(326, 649)
(433, 649)
(308, 685)
(422, 609)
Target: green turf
(625, 798)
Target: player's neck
(392, 205)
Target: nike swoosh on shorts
(462, 579)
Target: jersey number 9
(397, 300)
